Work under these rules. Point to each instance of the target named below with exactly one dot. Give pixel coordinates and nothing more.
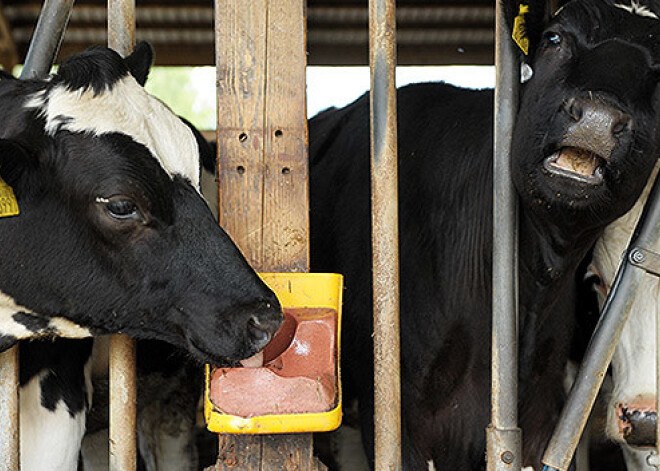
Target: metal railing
(123, 376)
(385, 235)
(41, 54)
(504, 442)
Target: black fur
(70, 258)
(32, 322)
(166, 271)
(445, 220)
(99, 68)
(61, 362)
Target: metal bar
(47, 37)
(504, 444)
(41, 54)
(123, 387)
(385, 236)
(601, 348)
(654, 458)
(123, 377)
(9, 436)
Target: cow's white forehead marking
(637, 9)
(55, 326)
(127, 109)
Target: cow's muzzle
(637, 424)
(595, 126)
(593, 132)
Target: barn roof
(429, 32)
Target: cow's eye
(552, 38)
(122, 208)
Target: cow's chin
(203, 355)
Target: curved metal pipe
(638, 258)
(47, 37)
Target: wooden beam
(262, 171)
(8, 54)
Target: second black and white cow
(112, 236)
(585, 142)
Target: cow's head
(113, 235)
(586, 135)
(632, 411)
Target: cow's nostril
(259, 332)
(574, 109)
(638, 426)
(621, 125)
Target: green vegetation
(189, 91)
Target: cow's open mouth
(578, 164)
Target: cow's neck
(549, 257)
(18, 322)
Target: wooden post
(8, 54)
(123, 375)
(262, 171)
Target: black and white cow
(585, 142)
(112, 236)
(632, 414)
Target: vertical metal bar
(44, 45)
(121, 26)
(656, 462)
(123, 379)
(504, 446)
(9, 436)
(123, 386)
(47, 37)
(385, 238)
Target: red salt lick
(299, 373)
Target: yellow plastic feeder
(298, 389)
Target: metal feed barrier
(504, 440)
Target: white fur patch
(637, 9)
(49, 440)
(127, 109)
(633, 363)
(56, 325)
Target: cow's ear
(206, 149)
(15, 162)
(140, 61)
(526, 20)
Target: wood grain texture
(262, 171)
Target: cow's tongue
(255, 361)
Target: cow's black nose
(595, 126)
(262, 328)
(640, 427)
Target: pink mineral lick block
(299, 373)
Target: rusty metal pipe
(9, 431)
(637, 259)
(385, 235)
(47, 37)
(41, 54)
(656, 461)
(123, 398)
(504, 445)
(123, 377)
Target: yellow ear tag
(519, 36)
(8, 202)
